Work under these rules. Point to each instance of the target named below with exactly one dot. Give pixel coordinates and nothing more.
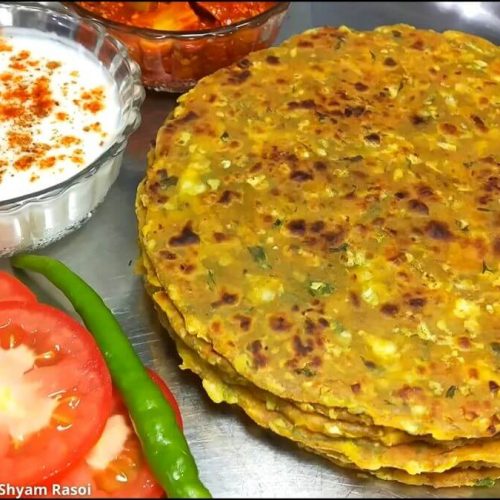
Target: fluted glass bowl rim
(129, 122)
(154, 34)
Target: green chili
(164, 444)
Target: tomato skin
(11, 289)
(168, 395)
(78, 369)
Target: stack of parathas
(320, 228)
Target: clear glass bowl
(35, 220)
(174, 61)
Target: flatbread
(319, 229)
(412, 458)
(325, 215)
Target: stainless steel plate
(235, 457)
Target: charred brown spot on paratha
(317, 226)
(334, 237)
(417, 119)
(479, 123)
(244, 63)
(303, 44)
(356, 388)
(425, 191)
(373, 138)
(360, 86)
(313, 328)
(166, 254)
(306, 104)
(259, 358)
(310, 326)
(319, 165)
(417, 302)
(228, 196)
(245, 322)
(238, 77)
(449, 129)
(464, 343)
(418, 206)
(185, 238)
(369, 364)
(418, 45)
(187, 268)
(301, 348)
(272, 60)
(220, 237)
(354, 298)
(493, 386)
(256, 168)
(355, 111)
(438, 230)
(496, 245)
(226, 299)
(279, 323)
(323, 322)
(301, 176)
(297, 227)
(389, 309)
(408, 393)
(188, 117)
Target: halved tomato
(11, 289)
(115, 467)
(55, 392)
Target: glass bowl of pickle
(177, 43)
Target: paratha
(413, 459)
(337, 423)
(334, 421)
(320, 223)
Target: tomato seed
(121, 477)
(63, 416)
(48, 358)
(110, 480)
(12, 336)
(123, 469)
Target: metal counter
(235, 457)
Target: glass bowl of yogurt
(70, 97)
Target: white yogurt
(59, 110)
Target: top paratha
(326, 215)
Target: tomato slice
(168, 395)
(55, 392)
(11, 289)
(115, 467)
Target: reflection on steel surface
(484, 12)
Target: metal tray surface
(236, 458)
